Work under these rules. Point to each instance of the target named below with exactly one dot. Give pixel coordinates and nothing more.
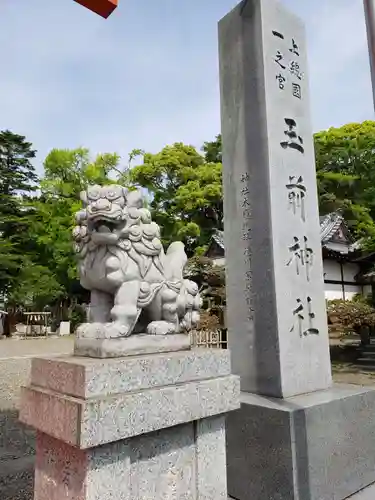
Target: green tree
(213, 150)
(10, 262)
(345, 163)
(186, 194)
(68, 171)
(17, 181)
(17, 173)
(49, 273)
(345, 173)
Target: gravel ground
(16, 440)
(347, 373)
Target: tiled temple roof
(329, 225)
(218, 237)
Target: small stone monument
(296, 436)
(64, 328)
(135, 413)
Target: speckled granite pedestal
(317, 446)
(140, 427)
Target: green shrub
(77, 315)
(351, 315)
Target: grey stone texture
(86, 377)
(211, 458)
(318, 446)
(365, 494)
(99, 420)
(168, 464)
(143, 427)
(275, 348)
(134, 285)
(130, 346)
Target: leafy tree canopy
(37, 264)
(213, 150)
(186, 193)
(17, 173)
(48, 273)
(17, 180)
(345, 163)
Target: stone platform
(148, 426)
(318, 446)
(130, 346)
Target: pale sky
(148, 75)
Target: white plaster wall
(220, 261)
(332, 291)
(350, 271)
(331, 270)
(350, 291)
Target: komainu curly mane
(135, 286)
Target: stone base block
(88, 377)
(159, 402)
(86, 423)
(90, 402)
(318, 446)
(185, 462)
(365, 494)
(130, 346)
(142, 427)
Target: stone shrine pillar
(296, 436)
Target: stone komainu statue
(135, 286)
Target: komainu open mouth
(104, 226)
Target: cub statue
(135, 286)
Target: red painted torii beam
(102, 7)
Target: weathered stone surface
(318, 446)
(85, 377)
(150, 427)
(169, 464)
(130, 346)
(275, 294)
(164, 464)
(63, 471)
(57, 416)
(60, 470)
(211, 458)
(134, 285)
(96, 421)
(365, 494)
